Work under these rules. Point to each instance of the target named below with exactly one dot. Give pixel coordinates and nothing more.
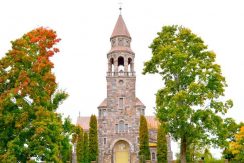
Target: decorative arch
(121, 61)
(111, 64)
(123, 139)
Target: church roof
(103, 104)
(139, 103)
(83, 122)
(152, 122)
(120, 28)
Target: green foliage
(144, 151)
(207, 154)
(80, 144)
(93, 139)
(85, 149)
(29, 124)
(213, 160)
(190, 101)
(161, 144)
(66, 148)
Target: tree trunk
(183, 150)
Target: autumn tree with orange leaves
(29, 124)
(237, 146)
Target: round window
(121, 82)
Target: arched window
(121, 126)
(142, 111)
(121, 64)
(104, 113)
(129, 65)
(111, 65)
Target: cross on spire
(120, 7)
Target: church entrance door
(121, 152)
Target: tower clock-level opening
(121, 152)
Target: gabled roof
(120, 28)
(103, 104)
(152, 122)
(83, 122)
(139, 103)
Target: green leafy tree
(85, 149)
(66, 148)
(190, 101)
(93, 139)
(29, 124)
(144, 151)
(161, 144)
(79, 139)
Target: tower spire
(120, 28)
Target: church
(119, 113)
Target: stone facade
(119, 113)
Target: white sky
(86, 26)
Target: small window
(153, 156)
(116, 127)
(126, 127)
(104, 112)
(121, 103)
(142, 112)
(120, 42)
(113, 43)
(121, 126)
(100, 113)
(127, 43)
(104, 140)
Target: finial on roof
(120, 7)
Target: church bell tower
(119, 113)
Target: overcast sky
(86, 26)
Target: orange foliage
(238, 145)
